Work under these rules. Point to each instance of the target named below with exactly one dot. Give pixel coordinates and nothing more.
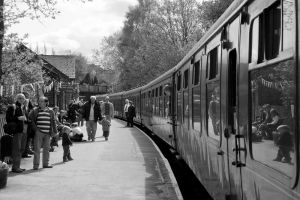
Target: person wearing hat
(285, 144)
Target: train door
(178, 105)
(233, 143)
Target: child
(66, 142)
(105, 127)
(285, 144)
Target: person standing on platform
(44, 125)
(66, 143)
(72, 112)
(126, 111)
(91, 114)
(107, 111)
(15, 118)
(131, 113)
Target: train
(230, 107)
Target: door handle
(220, 153)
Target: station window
(196, 72)
(212, 64)
(273, 118)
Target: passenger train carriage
(230, 108)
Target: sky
(78, 28)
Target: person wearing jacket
(131, 113)
(91, 114)
(15, 116)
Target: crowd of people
(29, 128)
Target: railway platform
(127, 166)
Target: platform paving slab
(127, 166)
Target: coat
(97, 111)
(107, 110)
(12, 114)
(131, 111)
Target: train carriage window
(160, 90)
(273, 90)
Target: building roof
(64, 63)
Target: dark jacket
(97, 111)
(33, 117)
(66, 139)
(72, 112)
(12, 114)
(131, 111)
(285, 139)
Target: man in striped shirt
(43, 122)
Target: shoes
(65, 160)
(70, 158)
(276, 159)
(30, 152)
(286, 161)
(35, 168)
(93, 140)
(106, 138)
(48, 166)
(17, 170)
(26, 156)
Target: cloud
(79, 27)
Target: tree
(155, 37)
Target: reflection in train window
(213, 109)
(186, 114)
(255, 41)
(273, 115)
(196, 111)
(179, 107)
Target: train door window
(186, 99)
(273, 90)
(273, 30)
(196, 71)
(179, 99)
(213, 95)
(196, 107)
(212, 62)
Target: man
(91, 114)
(15, 117)
(131, 113)
(44, 125)
(126, 111)
(72, 107)
(107, 111)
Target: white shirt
(126, 107)
(91, 117)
